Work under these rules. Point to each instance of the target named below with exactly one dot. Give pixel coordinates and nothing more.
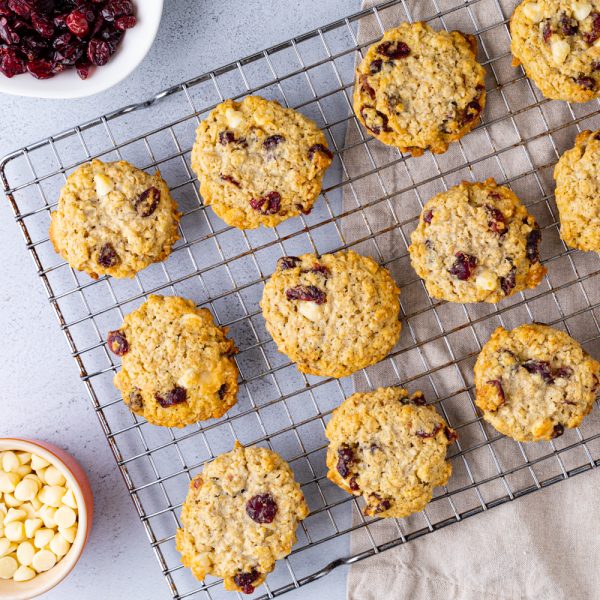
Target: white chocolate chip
(14, 514)
(24, 573)
(560, 51)
(10, 462)
(43, 560)
(52, 494)
(15, 531)
(191, 319)
(47, 514)
(486, 281)
(59, 545)
(69, 499)
(23, 470)
(581, 10)
(65, 517)
(8, 482)
(311, 310)
(54, 476)
(188, 379)
(6, 547)
(25, 552)
(8, 566)
(42, 537)
(31, 526)
(37, 462)
(29, 509)
(11, 501)
(234, 117)
(26, 490)
(533, 11)
(69, 533)
(36, 503)
(104, 185)
(597, 43)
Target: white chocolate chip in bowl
(45, 518)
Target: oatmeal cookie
(177, 365)
(332, 314)
(420, 89)
(240, 516)
(534, 381)
(259, 163)
(577, 176)
(389, 448)
(558, 44)
(476, 243)
(114, 219)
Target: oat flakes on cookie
(389, 448)
(332, 314)
(177, 364)
(240, 517)
(558, 44)
(420, 89)
(534, 382)
(577, 176)
(259, 163)
(476, 242)
(114, 219)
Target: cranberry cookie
(558, 44)
(259, 163)
(577, 176)
(177, 365)
(534, 381)
(332, 314)
(420, 89)
(113, 219)
(240, 516)
(390, 449)
(476, 243)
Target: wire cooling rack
(225, 269)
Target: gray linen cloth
(542, 546)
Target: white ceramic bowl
(77, 481)
(131, 52)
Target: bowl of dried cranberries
(73, 48)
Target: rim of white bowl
(67, 85)
(42, 583)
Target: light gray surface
(41, 393)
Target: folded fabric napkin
(544, 545)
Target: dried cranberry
(117, 8)
(428, 216)
(20, 7)
(345, 459)
(587, 83)
(497, 221)
(558, 430)
(304, 211)
(245, 580)
(107, 256)
(10, 63)
(418, 399)
(319, 148)
(98, 52)
(533, 242)
(547, 31)
(382, 506)
(77, 23)
(117, 342)
(287, 262)
(568, 25)
(393, 49)
(563, 372)
(596, 65)
(508, 283)
(261, 508)
(230, 180)
(498, 385)
(222, 391)
(68, 49)
(463, 266)
(273, 141)
(322, 269)
(471, 112)
(375, 121)
(591, 36)
(375, 66)
(267, 205)
(540, 367)
(450, 434)
(429, 434)
(7, 33)
(308, 293)
(226, 137)
(353, 485)
(43, 26)
(175, 396)
(126, 22)
(146, 202)
(136, 400)
(365, 86)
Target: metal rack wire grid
(224, 269)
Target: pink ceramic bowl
(78, 482)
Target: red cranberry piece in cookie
(226, 137)
(262, 508)
(540, 367)
(498, 385)
(136, 401)
(319, 148)
(267, 205)
(345, 459)
(146, 202)
(375, 121)
(230, 180)
(496, 220)
(558, 430)
(375, 66)
(587, 83)
(273, 141)
(568, 25)
(287, 262)
(563, 373)
(591, 36)
(108, 257)
(308, 293)
(547, 31)
(508, 283)
(175, 396)
(533, 243)
(322, 269)
(428, 216)
(365, 86)
(463, 266)
(429, 434)
(245, 580)
(393, 50)
(117, 342)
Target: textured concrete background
(41, 395)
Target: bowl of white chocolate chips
(46, 509)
